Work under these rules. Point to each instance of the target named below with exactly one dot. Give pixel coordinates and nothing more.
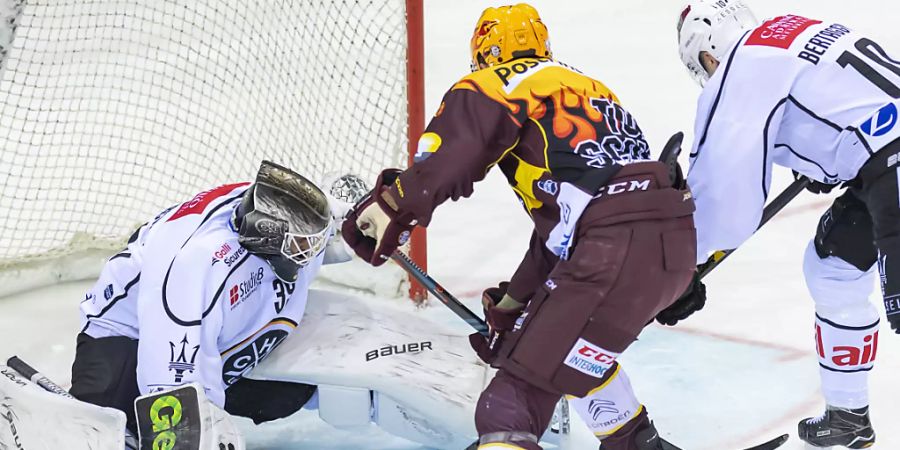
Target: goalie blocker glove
(373, 228)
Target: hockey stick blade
(772, 444)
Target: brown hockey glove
(690, 302)
(501, 313)
(373, 228)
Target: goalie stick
(36, 377)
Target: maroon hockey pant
(622, 272)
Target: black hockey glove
(894, 320)
(816, 187)
(690, 302)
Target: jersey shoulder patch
(780, 32)
(201, 201)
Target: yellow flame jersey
(543, 122)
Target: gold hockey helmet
(506, 33)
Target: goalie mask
(283, 218)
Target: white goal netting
(112, 110)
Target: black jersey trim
(715, 106)
(215, 298)
(212, 304)
(814, 115)
(804, 158)
(832, 369)
(112, 302)
(846, 327)
(765, 152)
(862, 139)
(120, 255)
(165, 302)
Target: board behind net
(113, 110)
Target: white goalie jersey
(202, 307)
(809, 95)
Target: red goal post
(415, 74)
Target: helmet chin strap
(284, 269)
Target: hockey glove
(501, 313)
(894, 320)
(373, 228)
(690, 302)
(816, 187)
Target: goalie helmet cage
(112, 110)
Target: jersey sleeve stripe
(808, 111)
(804, 158)
(715, 106)
(765, 150)
(112, 302)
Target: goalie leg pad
(846, 327)
(31, 417)
(184, 418)
(344, 407)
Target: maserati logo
(182, 362)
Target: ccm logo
(626, 186)
(595, 354)
(848, 355)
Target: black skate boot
(849, 428)
(648, 439)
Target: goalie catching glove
(374, 228)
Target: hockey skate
(648, 439)
(843, 427)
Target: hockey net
(114, 109)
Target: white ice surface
(740, 371)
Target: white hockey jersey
(202, 307)
(809, 95)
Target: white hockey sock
(610, 406)
(846, 355)
(846, 338)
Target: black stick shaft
(445, 297)
(773, 208)
(36, 377)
